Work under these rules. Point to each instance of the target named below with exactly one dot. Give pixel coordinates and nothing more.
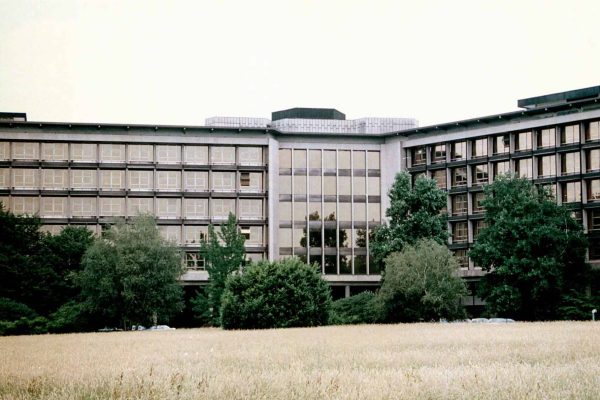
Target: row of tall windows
(329, 202)
(134, 153)
(91, 207)
(547, 166)
(135, 180)
(500, 144)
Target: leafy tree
(131, 274)
(421, 284)
(414, 213)
(25, 275)
(357, 309)
(63, 254)
(532, 249)
(223, 253)
(280, 294)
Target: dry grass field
(421, 361)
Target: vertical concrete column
(347, 291)
(273, 198)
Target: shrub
(24, 326)
(70, 317)
(357, 309)
(280, 294)
(11, 310)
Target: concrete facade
(314, 188)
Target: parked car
(480, 321)
(501, 321)
(160, 328)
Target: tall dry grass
(433, 361)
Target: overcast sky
(178, 62)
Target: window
(374, 183)
(360, 212)
(222, 155)
(194, 234)
(54, 151)
(25, 151)
(593, 219)
(419, 156)
(550, 188)
(594, 248)
(592, 160)
(439, 153)
(480, 148)
(547, 166)
(459, 204)
(196, 181)
(4, 177)
(140, 153)
(359, 186)
(244, 179)
(329, 186)
(439, 177)
(285, 159)
(571, 192)
(593, 190)
(25, 205)
(140, 205)
(314, 159)
(285, 211)
(501, 144)
(459, 151)
(251, 209)
(168, 180)
(54, 178)
(221, 208)
(168, 208)
(83, 206)
(546, 138)
(314, 185)
(343, 159)
(196, 155)
(461, 257)
(285, 237)
(83, 152)
(524, 168)
(194, 262)
(570, 163)
(373, 160)
(54, 207)
(285, 184)
(300, 159)
(480, 174)
(478, 199)
(25, 178)
(168, 154)
(112, 153)
(196, 208)
(374, 212)
(171, 233)
(112, 207)
(83, 178)
(593, 131)
(250, 155)
(4, 151)
(500, 168)
(569, 134)
(359, 160)
(329, 160)
(459, 232)
(112, 180)
(523, 141)
(300, 184)
(478, 226)
(141, 180)
(245, 232)
(223, 181)
(459, 177)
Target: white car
(160, 328)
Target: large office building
(307, 182)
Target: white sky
(178, 62)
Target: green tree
(223, 253)
(532, 250)
(24, 275)
(130, 275)
(414, 213)
(421, 284)
(280, 294)
(64, 253)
